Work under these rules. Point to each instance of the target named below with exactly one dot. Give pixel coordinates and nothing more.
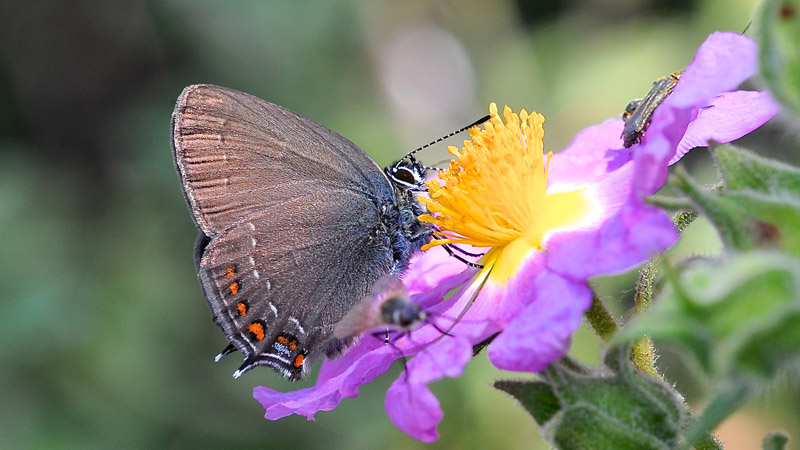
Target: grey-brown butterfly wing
(276, 299)
(236, 154)
(290, 216)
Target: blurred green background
(106, 339)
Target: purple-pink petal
(332, 368)
(729, 117)
(657, 148)
(593, 152)
(410, 405)
(633, 235)
(541, 333)
(503, 302)
(329, 392)
(429, 269)
(414, 411)
(432, 299)
(721, 64)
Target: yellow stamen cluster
(495, 190)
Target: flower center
(495, 193)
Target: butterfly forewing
(237, 153)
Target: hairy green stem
(643, 352)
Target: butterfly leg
(462, 251)
(449, 249)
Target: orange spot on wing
(242, 307)
(293, 345)
(257, 329)
(282, 340)
(234, 287)
(298, 361)
(230, 272)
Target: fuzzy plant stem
(643, 353)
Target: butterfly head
(408, 173)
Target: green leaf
(772, 346)
(779, 50)
(537, 397)
(742, 169)
(615, 406)
(728, 218)
(746, 218)
(583, 426)
(769, 221)
(738, 317)
(728, 399)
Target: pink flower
(547, 223)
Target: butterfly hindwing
(264, 288)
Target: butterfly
(296, 224)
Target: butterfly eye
(404, 175)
